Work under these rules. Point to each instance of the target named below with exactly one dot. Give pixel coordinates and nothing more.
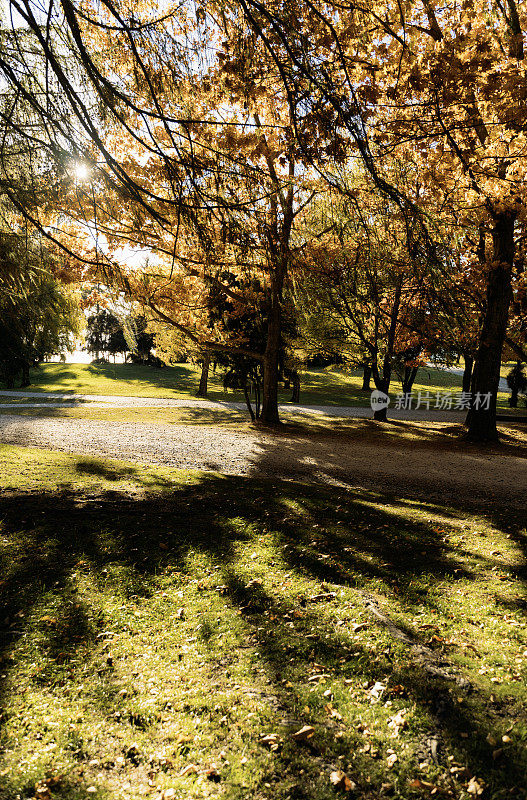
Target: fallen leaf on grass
(188, 770)
(435, 640)
(332, 711)
(360, 626)
(377, 691)
(475, 787)
(316, 598)
(340, 780)
(398, 722)
(416, 783)
(391, 759)
(271, 740)
(304, 733)
(397, 690)
(43, 788)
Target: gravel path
(379, 462)
(121, 401)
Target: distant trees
(110, 335)
(39, 317)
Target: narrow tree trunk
(381, 414)
(26, 379)
(248, 401)
(467, 372)
(295, 398)
(366, 378)
(270, 414)
(513, 399)
(204, 379)
(382, 383)
(481, 421)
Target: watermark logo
(379, 400)
(441, 401)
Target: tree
(444, 89)
(517, 382)
(100, 328)
(38, 316)
(370, 293)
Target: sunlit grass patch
(329, 386)
(172, 634)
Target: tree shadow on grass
(414, 468)
(329, 535)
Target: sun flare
(81, 172)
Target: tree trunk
(513, 399)
(366, 378)
(410, 374)
(204, 379)
(467, 372)
(295, 398)
(26, 379)
(383, 384)
(248, 401)
(271, 370)
(481, 421)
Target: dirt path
(388, 459)
(58, 400)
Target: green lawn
(319, 387)
(166, 634)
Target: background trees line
(368, 161)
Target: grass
(165, 634)
(319, 387)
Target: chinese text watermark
(443, 401)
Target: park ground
(188, 634)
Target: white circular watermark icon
(379, 400)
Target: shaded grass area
(165, 634)
(319, 387)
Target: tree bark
(295, 398)
(410, 374)
(248, 402)
(26, 378)
(381, 414)
(271, 369)
(204, 379)
(366, 378)
(467, 372)
(481, 421)
(382, 382)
